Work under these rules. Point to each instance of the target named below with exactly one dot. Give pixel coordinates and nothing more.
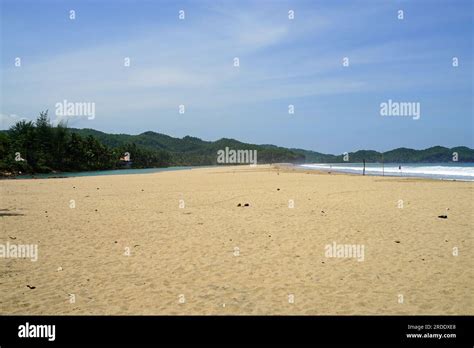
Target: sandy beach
(178, 243)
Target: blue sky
(282, 62)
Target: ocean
(443, 171)
(101, 172)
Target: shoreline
(408, 175)
(289, 167)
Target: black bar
(327, 330)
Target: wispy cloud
(282, 61)
(8, 120)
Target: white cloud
(8, 120)
(192, 65)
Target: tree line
(40, 147)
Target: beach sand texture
(184, 260)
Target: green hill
(40, 147)
(191, 150)
(435, 154)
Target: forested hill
(435, 154)
(35, 147)
(191, 146)
(39, 147)
(191, 150)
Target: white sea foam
(464, 172)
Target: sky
(282, 62)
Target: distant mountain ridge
(191, 150)
(40, 147)
(195, 151)
(435, 154)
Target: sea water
(445, 171)
(102, 172)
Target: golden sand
(213, 257)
